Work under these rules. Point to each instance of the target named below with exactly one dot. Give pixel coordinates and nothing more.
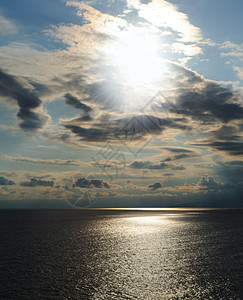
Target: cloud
(51, 73)
(31, 120)
(215, 110)
(155, 166)
(131, 186)
(179, 156)
(232, 50)
(96, 29)
(133, 128)
(73, 101)
(212, 109)
(60, 135)
(13, 88)
(95, 183)
(88, 43)
(192, 102)
(205, 184)
(239, 71)
(232, 148)
(89, 134)
(77, 120)
(161, 13)
(226, 133)
(176, 150)
(168, 174)
(6, 26)
(140, 164)
(4, 181)
(37, 182)
(226, 139)
(108, 94)
(234, 54)
(188, 50)
(204, 100)
(210, 184)
(60, 162)
(156, 186)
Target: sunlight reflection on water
(121, 255)
(146, 220)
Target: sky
(121, 103)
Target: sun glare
(136, 58)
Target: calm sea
(121, 254)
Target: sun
(135, 57)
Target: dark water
(121, 254)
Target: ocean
(121, 254)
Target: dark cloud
(192, 98)
(226, 133)
(212, 105)
(225, 139)
(31, 120)
(107, 94)
(86, 183)
(232, 148)
(42, 89)
(155, 186)
(168, 174)
(204, 100)
(4, 181)
(129, 128)
(208, 102)
(210, 184)
(208, 105)
(148, 124)
(89, 134)
(155, 166)
(73, 101)
(179, 156)
(37, 182)
(140, 164)
(170, 149)
(27, 99)
(177, 167)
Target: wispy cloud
(7, 27)
(234, 53)
(161, 13)
(38, 161)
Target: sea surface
(121, 254)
